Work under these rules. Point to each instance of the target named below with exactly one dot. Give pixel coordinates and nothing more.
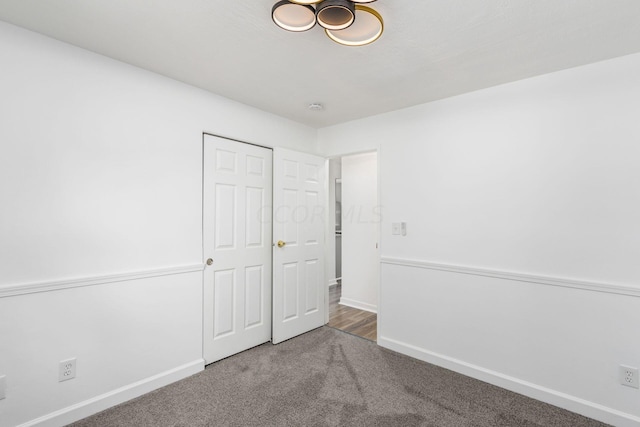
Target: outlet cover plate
(67, 370)
(629, 376)
(3, 386)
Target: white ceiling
(431, 49)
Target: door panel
(225, 216)
(237, 237)
(254, 222)
(312, 288)
(299, 296)
(223, 298)
(290, 291)
(254, 296)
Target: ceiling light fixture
(345, 21)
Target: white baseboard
(553, 397)
(359, 305)
(100, 403)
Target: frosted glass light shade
(293, 16)
(336, 14)
(367, 28)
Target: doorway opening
(353, 258)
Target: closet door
(300, 293)
(237, 197)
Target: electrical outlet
(629, 376)
(3, 386)
(67, 370)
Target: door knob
(281, 243)
(209, 261)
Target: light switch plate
(3, 386)
(396, 229)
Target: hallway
(352, 320)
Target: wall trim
(30, 288)
(97, 404)
(629, 290)
(359, 305)
(571, 403)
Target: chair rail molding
(629, 290)
(30, 288)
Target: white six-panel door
(237, 238)
(299, 289)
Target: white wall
(538, 177)
(360, 229)
(100, 174)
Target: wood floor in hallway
(357, 322)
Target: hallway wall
(360, 229)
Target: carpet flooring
(330, 378)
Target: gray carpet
(329, 378)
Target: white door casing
(299, 291)
(237, 236)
